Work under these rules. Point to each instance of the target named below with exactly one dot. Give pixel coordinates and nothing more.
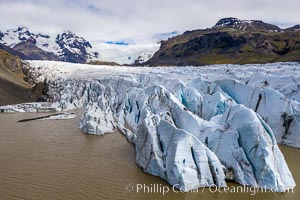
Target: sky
(138, 21)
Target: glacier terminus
(196, 126)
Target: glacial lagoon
(53, 159)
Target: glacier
(191, 126)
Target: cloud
(138, 20)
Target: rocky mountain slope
(33, 52)
(231, 41)
(69, 47)
(13, 87)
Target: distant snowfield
(191, 126)
(123, 54)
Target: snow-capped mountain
(251, 25)
(69, 47)
(65, 46)
(73, 48)
(246, 25)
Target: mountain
(73, 48)
(13, 88)
(33, 52)
(65, 46)
(245, 25)
(293, 28)
(13, 52)
(69, 47)
(230, 40)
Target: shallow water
(52, 159)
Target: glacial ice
(280, 113)
(29, 107)
(60, 116)
(55, 116)
(190, 126)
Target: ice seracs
(280, 113)
(247, 148)
(176, 155)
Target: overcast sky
(138, 21)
